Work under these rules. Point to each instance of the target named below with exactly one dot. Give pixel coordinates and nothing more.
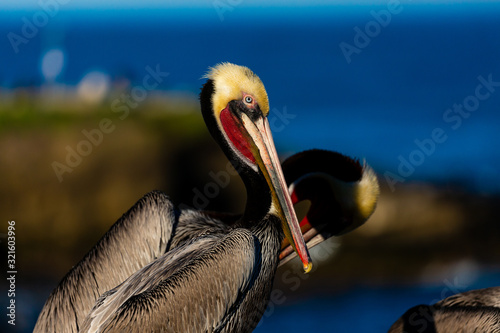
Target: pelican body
(475, 311)
(159, 268)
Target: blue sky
(290, 8)
(130, 4)
(126, 4)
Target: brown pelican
(161, 268)
(472, 311)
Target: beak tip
(308, 267)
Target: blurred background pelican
(98, 107)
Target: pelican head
(235, 107)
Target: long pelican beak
(255, 142)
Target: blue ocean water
(395, 84)
(361, 309)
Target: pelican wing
(487, 297)
(193, 288)
(140, 236)
(471, 311)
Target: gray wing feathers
(192, 224)
(489, 297)
(451, 320)
(472, 311)
(194, 288)
(137, 238)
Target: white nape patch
(367, 191)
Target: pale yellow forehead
(231, 81)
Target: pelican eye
(248, 99)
